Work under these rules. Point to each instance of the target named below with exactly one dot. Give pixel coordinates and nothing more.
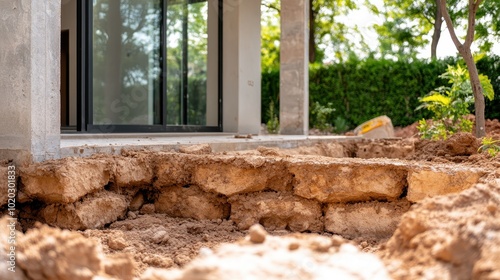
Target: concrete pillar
(294, 71)
(241, 66)
(29, 80)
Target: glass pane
(187, 52)
(197, 63)
(126, 61)
(174, 29)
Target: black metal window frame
(84, 80)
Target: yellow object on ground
(379, 127)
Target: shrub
(360, 90)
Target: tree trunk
(312, 33)
(438, 22)
(465, 52)
(477, 89)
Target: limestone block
(276, 211)
(429, 182)
(66, 180)
(133, 170)
(173, 168)
(191, 202)
(230, 175)
(94, 211)
(347, 180)
(368, 219)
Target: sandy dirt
(455, 236)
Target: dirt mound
(160, 241)
(260, 256)
(459, 144)
(51, 253)
(449, 237)
(407, 131)
(493, 127)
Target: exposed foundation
(347, 196)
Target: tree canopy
(406, 30)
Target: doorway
(64, 79)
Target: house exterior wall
(30, 74)
(241, 66)
(29, 80)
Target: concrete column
(294, 71)
(29, 80)
(241, 66)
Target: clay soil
(455, 236)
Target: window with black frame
(153, 65)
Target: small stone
(442, 252)
(492, 208)
(136, 202)
(205, 237)
(147, 209)
(257, 234)
(337, 240)
(363, 244)
(321, 244)
(117, 243)
(293, 246)
(159, 237)
(131, 215)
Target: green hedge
(361, 90)
(490, 66)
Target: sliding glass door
(153, 65)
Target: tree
(325, 30)
(488, 24)
(407, 22)
(466, 53)
(270, 34)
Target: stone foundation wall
(347, 196)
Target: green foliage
(490, 146)
(450, 105)
(487, 25)
(270, 88)
(340, 125)
(320, 116)
(270, 35)
(360, 90)
(273, 124)
(363, 89)
(431, 131)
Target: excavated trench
(321, 189)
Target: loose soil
(456, 236)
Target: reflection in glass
(126, 61)
(187, 50)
